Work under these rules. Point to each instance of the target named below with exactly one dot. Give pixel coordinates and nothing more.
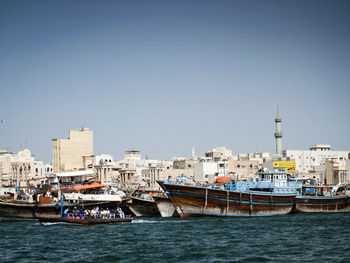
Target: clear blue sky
(163, 76)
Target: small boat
(85, 221)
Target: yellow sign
(289, 166)
(290, 169)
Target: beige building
(336, 173)
(16, 169)
(74, 153)
(244, 168)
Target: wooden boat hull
(165, 206)
(194, 201)
(322, 204)
(83, 221)
(141, 207)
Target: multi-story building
(74, 153)
(205, 171)
(219, 154)
(306, 160)
(244, 168)
(22, 170)
(336, 173)
(105, 168)
(42, 171)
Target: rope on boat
(250, 203)
(206, 198)
(227, 203)
(271, 201)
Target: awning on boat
(223, 179)
(89, 186)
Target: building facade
(72, 154)
(306, 160)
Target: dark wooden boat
(322, 204)
(194, 201)
(44, 220)
(143, 207)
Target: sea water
(290, 238)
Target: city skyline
(163, 77)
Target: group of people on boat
(94, 213)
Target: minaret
(193, 155)
(278, 133)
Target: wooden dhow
(273, 194)
(322, 199)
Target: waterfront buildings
(16, 169)
(219, 154)
(244, 168)
(307, 160)
(336, 173)
(22, 169)
(105, 168)
(74, 153)
(205, 170)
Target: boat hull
(193, 201)
(141, 207)
(165, 206)
(322, 204)
(83, 221)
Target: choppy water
(291, 238)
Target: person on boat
(81, 213)
(108, 214)
(92, 213)
(112, 213)
(97, 209)
(66, 212)
(121, 213)
(87, 213)
(75, 212)
(102, 213)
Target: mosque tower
(193, 155)
(278, 133)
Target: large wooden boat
(43, 220)
(143, 207)
(271, 196)
(322, 199)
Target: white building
(204, 170)
(132, 155)
(102, 159)
(41, 172)
(306, 160)
(219, 154)
(21, 169)
(104, 165)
